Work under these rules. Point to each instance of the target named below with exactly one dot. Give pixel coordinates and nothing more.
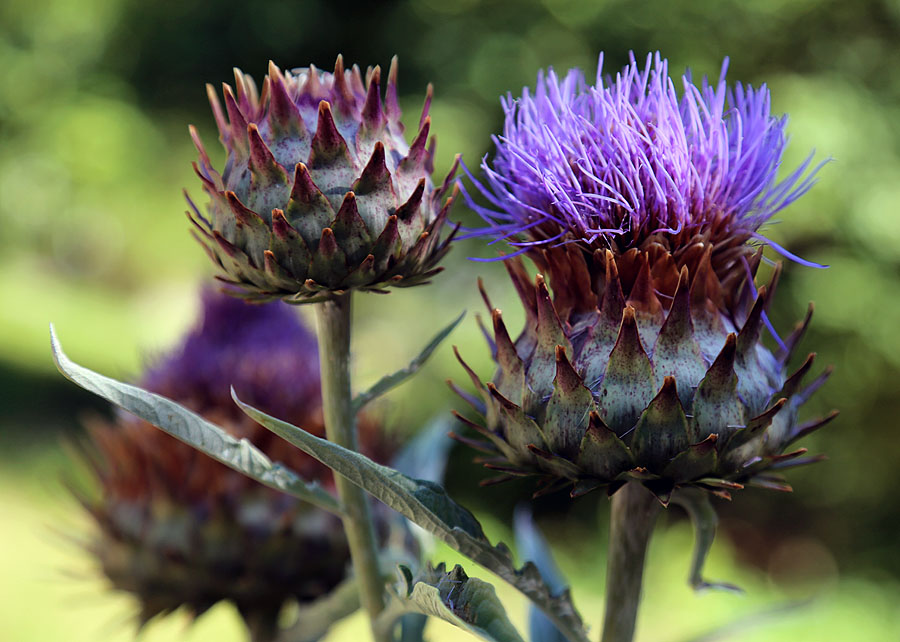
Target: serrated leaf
(703, 516)
(466, 602)
(428, 505)
(532, 546)
(316, 617)
(194, 430)
(393, 380)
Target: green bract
(607, 384)
(320, 192)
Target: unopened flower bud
(320, 193)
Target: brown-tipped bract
(651, 371)
(320, 193)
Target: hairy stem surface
(333, 329)
(634, 511)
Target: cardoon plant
(639, 199)
(178, 529)
(644, 373)
(321, 195)
(360, 213)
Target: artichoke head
(176, 529)
(643, 365)
(320, 193)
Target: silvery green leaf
(533, 547)
(388, 382)
(195, 431)
(703, 516)
(428, 505)
(468, 603)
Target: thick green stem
(634, 511)
(333, 326)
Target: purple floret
(264, 351)
(610, 164)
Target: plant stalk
(333, 330)
(634, 511)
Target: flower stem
(333, 329)
(634, 511)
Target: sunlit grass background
(95, 100)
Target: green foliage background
(95, 99)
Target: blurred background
(94, 106)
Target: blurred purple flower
(610, 164)
(178, 529)
(264, 351)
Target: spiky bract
(640, 376)
(320, 193)
(178, 529)
(640, 207)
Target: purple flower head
(225, 536)
(642, 154)
(264, 351)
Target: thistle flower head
(179, 529)
(635, 157)
(320, 192)
(636, 198)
